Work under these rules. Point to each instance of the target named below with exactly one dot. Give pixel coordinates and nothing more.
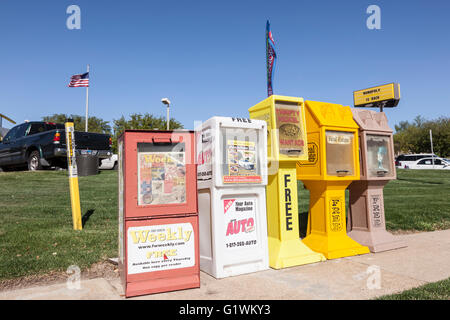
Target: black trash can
(87, 164)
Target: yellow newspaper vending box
(332, 164)
(286, 145)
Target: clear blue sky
(208, 57)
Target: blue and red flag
(271, 56)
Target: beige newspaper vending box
(366, 219)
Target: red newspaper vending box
(158, 216)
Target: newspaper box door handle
(165, 140)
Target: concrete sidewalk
(426, 259)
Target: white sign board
(240, 223)
(160, 247)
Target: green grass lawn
(432, 291)
(418, 200)
(36, 234)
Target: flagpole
(87, 103)
(267, 55)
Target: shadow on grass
(86, 216)
(303, 223)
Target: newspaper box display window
(287, 144)
(241, 163)
(333, 163)
(232, 166)
(161, 174)
(366, 217)
(291, 136)
(339, 153)
(158, 220)
(379, 156)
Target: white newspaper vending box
(231, 181)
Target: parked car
(109, 163)
(406, 160)
(37, 144)
(427, 163)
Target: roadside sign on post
(384, 96)
(73, 175)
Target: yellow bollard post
(333, 163)
(73, 176)
(286, 145)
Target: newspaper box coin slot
(367, 224)
(158, 220)
(331, 166)
(286, 145)
(232, 166)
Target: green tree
(141, 121)
(415, 137)
(94, 124)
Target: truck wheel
(116, 166)
(34, 162)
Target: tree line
(414, 137)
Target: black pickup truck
(38, 144)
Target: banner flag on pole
(271, 56)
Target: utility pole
(432, 153)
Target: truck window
(53, 126)
(21, 130)
(36, 128)
(11, 135)
(16, 132)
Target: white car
(109, 163)
(405, 161)
(427, 163)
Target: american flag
(79, 80)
